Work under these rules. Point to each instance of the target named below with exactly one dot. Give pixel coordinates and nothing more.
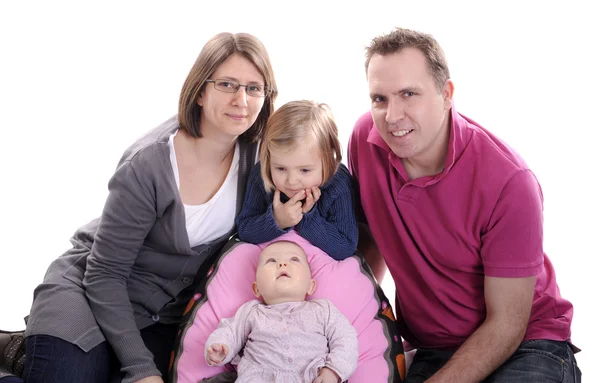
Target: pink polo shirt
(440, 235)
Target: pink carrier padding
(342, 282)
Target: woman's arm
(256, 222)
(128, 216)
(334, 231)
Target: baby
(286, 338)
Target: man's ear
(312, 287)
(448, 93)
(255, 290)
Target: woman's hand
(216, 353)
(312, 196)
(150, 379)
(290, 213)
(327, 375)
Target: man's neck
(432, 161)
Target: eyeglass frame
(266, 92)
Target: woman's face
(230, 114)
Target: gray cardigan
(131, 267)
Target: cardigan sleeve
(256, 222)
(128, 216)
(331, 224)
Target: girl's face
(297, 168)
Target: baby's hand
(327, 375)
(216, 353)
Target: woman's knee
(52, 360)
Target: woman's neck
(209, 149)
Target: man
(457, 217)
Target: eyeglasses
(230, 86)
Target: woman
(109, 308)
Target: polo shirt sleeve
(352, 154)
(512, 243)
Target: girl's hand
(312, 196)
(290, 213)
(327, 375)
(216, 353)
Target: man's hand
(216, 353)
(150, 379)
(327, 375)
(290, 213)
(312, 196)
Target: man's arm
(368, 248)
(508, 302)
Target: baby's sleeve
(232, 331)
(343, 342)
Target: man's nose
(395, 111)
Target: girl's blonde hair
(292, 124)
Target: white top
(216, 217)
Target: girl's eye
(306, 170)
(280, 169)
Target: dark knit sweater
(330, 225)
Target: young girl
(286, 339)
(300, 183)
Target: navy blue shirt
(330, 225)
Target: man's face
(283, 274)
(408, 109)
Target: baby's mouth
(283, 274)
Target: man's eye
(409, 94)
(378, 99)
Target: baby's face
(283, 274)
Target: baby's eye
(271, 260)
(295, 259)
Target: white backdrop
(79, 83)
